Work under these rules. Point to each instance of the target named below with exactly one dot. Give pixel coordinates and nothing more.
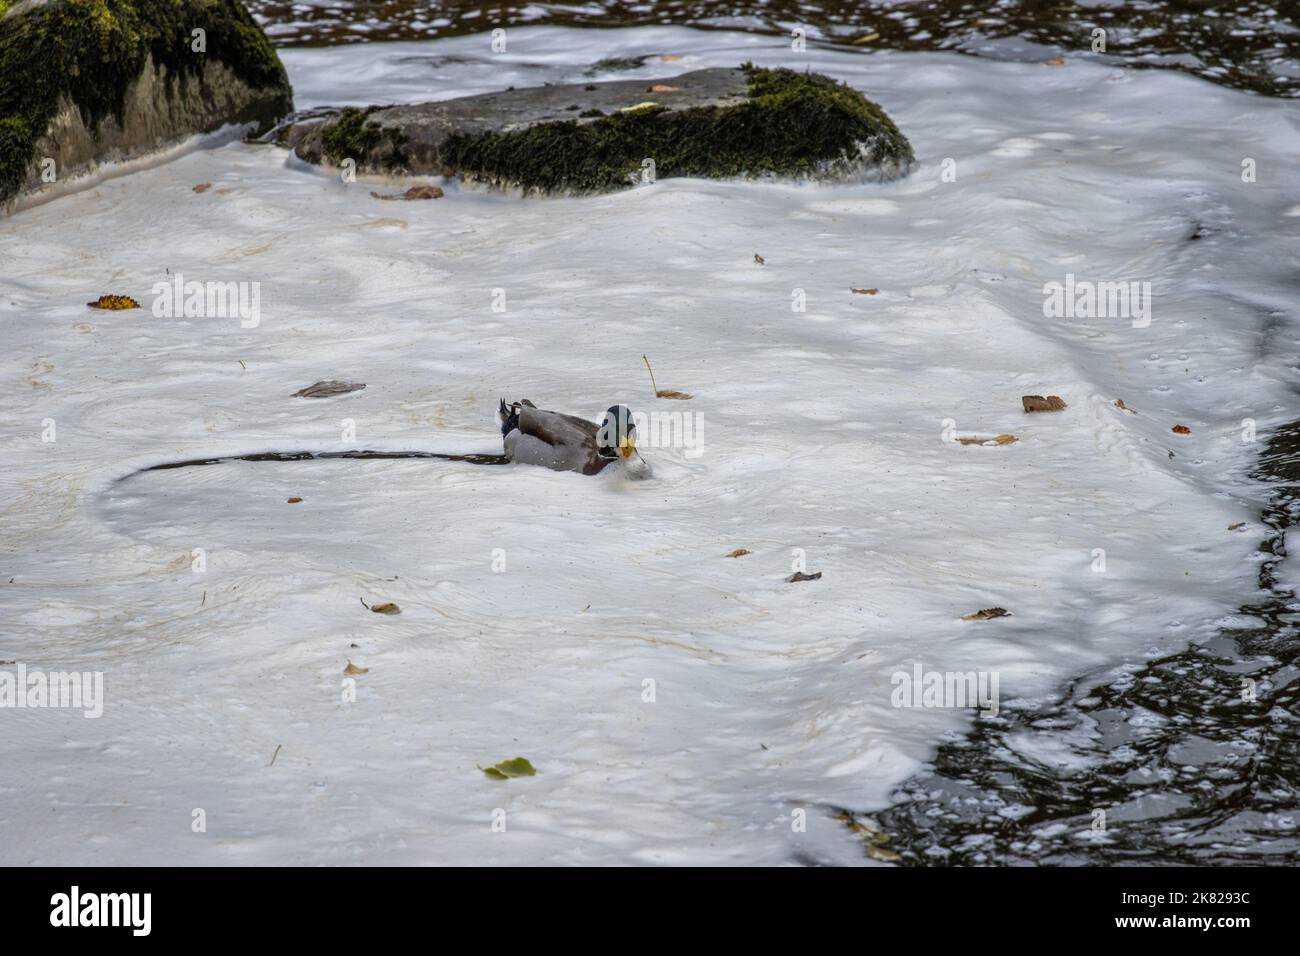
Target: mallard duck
(561, 442)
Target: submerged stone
(599, 137)
(89, 81)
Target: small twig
(653, 384)
(363, 603)
(205, 599)
(276, 754)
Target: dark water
(1246, 44)
(1194, 758)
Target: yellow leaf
(114, 303)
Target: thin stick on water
(653, 384)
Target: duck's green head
(617, 436)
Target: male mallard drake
(535, 436)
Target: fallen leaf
(647, 105)
(202, 187)
(1037, 403)
(354, 669)
(1181, 430)
(671, 57)
(115, 303)
(657, 88)
(415, 192)
(1057, 61)
(739, 553)
(662, 393)
(424, 192)
(987, 614)
(328, 388)
(996, 440)
(867, 39)
(862, 290)
(759, 259)
(519, 767)
(800, 576)
(1237, 527)
(294, 501)
(385, 609)
(1119, 403)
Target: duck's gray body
(534, 436)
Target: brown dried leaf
(294, 501)
(202, 187)
(353, 669)
(739, 553)
(1237, 527)
(1037, 403)
(1181, 430)
(385, 609)
(670, 393)
(986, 614)
(1119, 403)
(659, 88)
(862, 290)
(328, 388)
(995, 440)
(415, 192)
(800, 576)
(1057, 61)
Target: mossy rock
(745, 122)
(89, 81)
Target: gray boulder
(597, 137)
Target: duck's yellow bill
(626, 446)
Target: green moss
(351, 136)
(91, 50)
(792, 124)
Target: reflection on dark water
(1194, 758)
(1249, 44)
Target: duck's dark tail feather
(509, 414)
(321, 455)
